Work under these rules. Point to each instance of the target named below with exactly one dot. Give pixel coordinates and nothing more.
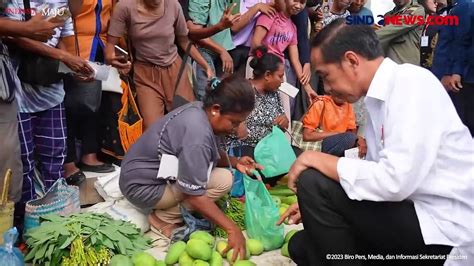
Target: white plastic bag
(122, 210)
(108, 186)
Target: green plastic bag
(274, 153)
(261, 215)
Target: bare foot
(91, 159)
(163, 227)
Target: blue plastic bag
(10, 255)
(274, 153)
(261, 215)
(238, 185)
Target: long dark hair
(264, 61)
(233, 94)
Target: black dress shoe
(76, 179)
(101, 168)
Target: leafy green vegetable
(52, 241)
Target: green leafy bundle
(234, 210)
(51, 242)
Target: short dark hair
(264, 61)
(337, 38)
(233, 94)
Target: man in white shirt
(413, 196)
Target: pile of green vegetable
(234, 210)
(202, 250)
(82, 239)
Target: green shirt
(401, 43)
(208, 13)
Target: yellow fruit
(121, 260)
(204, 236)
(289, 235)
(200, 263)
(185, 260)
(255, 247)
(143, 259)
(244, 263)
(231, 252)
(284, 250)
(216, 259)
(220, 246)
(198, 249)
(174, 252)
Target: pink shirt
(281, 33)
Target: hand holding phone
(121, 54)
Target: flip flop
(76, 179)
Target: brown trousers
(155, 87)
(167, 209)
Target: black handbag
(37, 69)
(82, 97)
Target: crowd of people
(200, 69)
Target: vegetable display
(234, 209)
(82, 239)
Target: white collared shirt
(419, 150)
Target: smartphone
(121, 52)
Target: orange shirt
(91, 27)
(334, 118)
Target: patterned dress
(268, 107)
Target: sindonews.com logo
(399, 20)
(44, 11)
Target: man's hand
(236, 243)
(247, 165)
(78, 65)
(362, 144)
(446, 81)
(282, 122)
(292, 213)
(312, 95)
(297, 168)
(83, 79)
(318, 27)
(319, 15)
(455, 83)
(228, 20)
(40, 29)
(306, 75)
(266, 9)
(227, 62)
(120, 62)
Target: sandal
(101, 168)
(76, 179)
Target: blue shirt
(454, 53)
(364, 11)
(35, 98)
